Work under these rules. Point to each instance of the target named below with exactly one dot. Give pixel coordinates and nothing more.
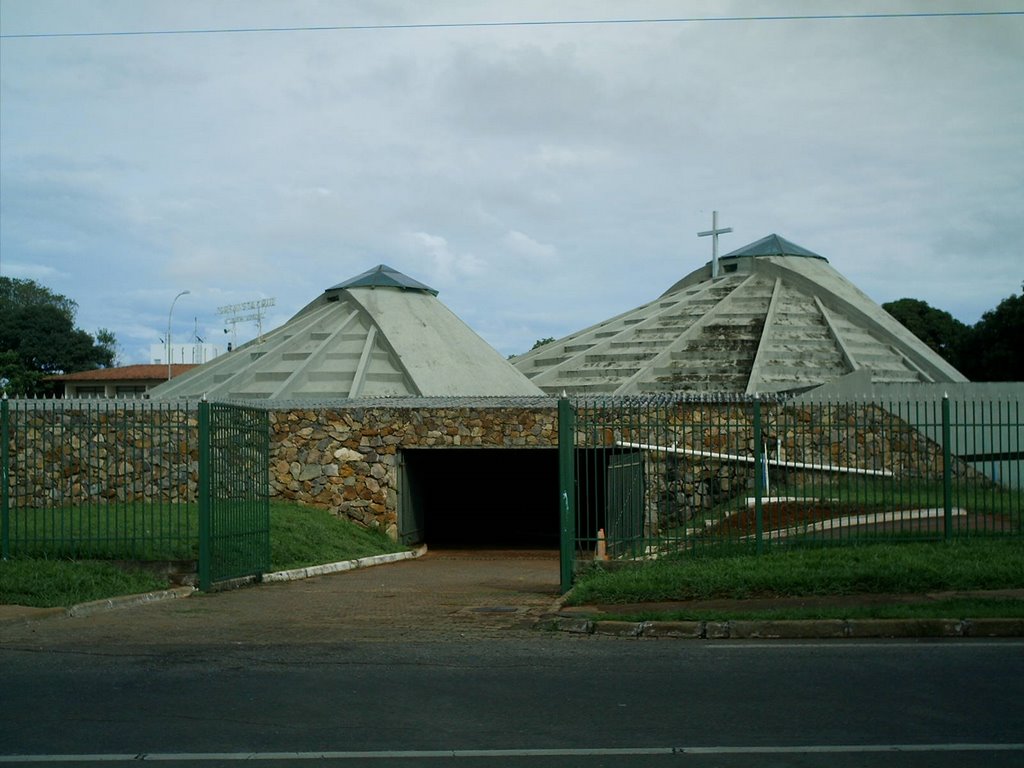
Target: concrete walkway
(441, 595)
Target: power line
(528, 23)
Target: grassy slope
(300, 536)
(49, 583)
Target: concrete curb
(809, 629)
(20, 614)
(126, 601)
(309, 572)
(344, 565)
(560, 619)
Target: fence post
(203, 491)
(567, 492)
(5, 459)
(947, 471)
(758, 478)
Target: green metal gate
(624, 505)
(234, 492)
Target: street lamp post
(169, 332)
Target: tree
(19, 294)
(106, 339)
(992, 351)
(38, 338)
(935, 327)
(15, 378)
(538, 343)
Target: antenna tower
(255, 311)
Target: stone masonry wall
(346, 460)
(81, 455)
(692, 476)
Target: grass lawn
(302, 536)
(299, 536)
(904, 569)
(51, 583)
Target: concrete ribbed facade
(777, 318)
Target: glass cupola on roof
(383, 276)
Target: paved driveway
(444, 594)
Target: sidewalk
(438, 596)
(441, 595)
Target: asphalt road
(522, 699)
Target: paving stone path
(440, 595)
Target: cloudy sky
(542, 177)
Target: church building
(770, 317)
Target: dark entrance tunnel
(479, 497)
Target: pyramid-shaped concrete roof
(778, 318)
(380, 334)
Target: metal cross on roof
(714, 232)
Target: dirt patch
(789, 514)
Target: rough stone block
(675, 629)
(716, 630)
(578, 626)
(782, 630)
(901, 628)
(994, 627)
(618, 628)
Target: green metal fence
(234, 492)
(136, 480)
(654, 476)
(96, 479)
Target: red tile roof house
(126, 381)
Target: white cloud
(525, 247)
(446, 264)
(278, 164)
(38, 272)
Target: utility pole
(169, 332)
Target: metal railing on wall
(98, 479)
(136, 480)
(662, 475)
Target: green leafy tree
(992, 349)
(935, 327)
(536, 344)
(18, 294)
(106, 339)
(15, 378)
(38, 338)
